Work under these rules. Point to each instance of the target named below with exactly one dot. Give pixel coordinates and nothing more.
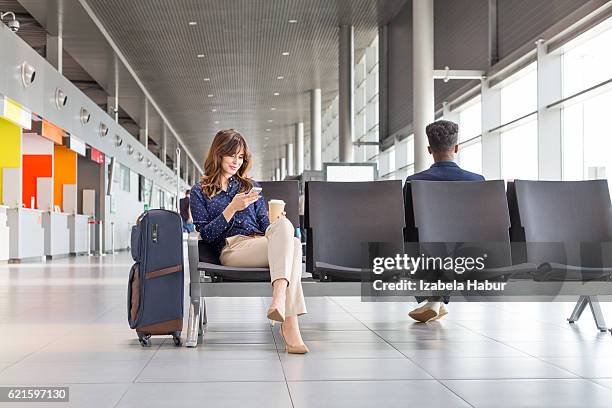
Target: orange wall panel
(34, 166)
(64, 172)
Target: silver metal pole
(422, 78)
(299, 148)
(315, 130)
(89, 235)
(346, 96)
(290, 157)
(100, 239)
(112, 251)
(178, 178)
(283, 168)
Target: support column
(112, 106)
(283, 168)
(491, 141)
(112, 102)
(549, 120)
(54, 52)
(143, 132)
(290, 156)
(383, 82)
(422, 78)
(346, 98)
(164, 144)
(493, 37)
(315, 130)
(277, 174)
(299, 148)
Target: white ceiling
(242, 42)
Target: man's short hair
(187, 192)
(442, 135)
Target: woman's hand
(239, 203)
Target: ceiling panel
(242, 42)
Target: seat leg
(193, 323)
(578, 309)
(598, 316)
(204, 319)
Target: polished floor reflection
(64, 322)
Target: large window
(588, 60)
(125, 178)
(519, 94)
(519, 141)
(470, 140)
(520, 152)
(366, 112)
(587, 140)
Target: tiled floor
(64, 323)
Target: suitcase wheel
(176, 336)
(145, 340)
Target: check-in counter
(4, 234)
(27, 237)
(78, 225)
(57, 233)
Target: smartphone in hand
(255, 190)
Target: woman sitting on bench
(234, 220)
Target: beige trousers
(280, 251)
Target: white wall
(128, 208)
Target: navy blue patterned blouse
(211, 224)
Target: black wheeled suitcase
(156, 284)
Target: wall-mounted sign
(76, 145)
(15, 113)
(49, 131)
(96, 155)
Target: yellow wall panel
(10, 147)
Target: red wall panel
(34, 166)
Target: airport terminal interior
(108, 109)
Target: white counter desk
(78, 225)
(27, 237)
(4, 234)
(57, 233)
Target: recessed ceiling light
(292, 21)
(193, 23)
(266, 138)
(267, 130)
(210, 95)
(272, 109)
(216, 122)
(285, 53)
(280, 77)
(206, 79)
(270, 120)
(200, 55)
(276, 93)
(214, 110)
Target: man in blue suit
(442, 136)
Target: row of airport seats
(555, 219)
(538, 230)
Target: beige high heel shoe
(291, 349)
(276, 315)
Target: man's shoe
(426, 312)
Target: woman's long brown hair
(226, 143)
